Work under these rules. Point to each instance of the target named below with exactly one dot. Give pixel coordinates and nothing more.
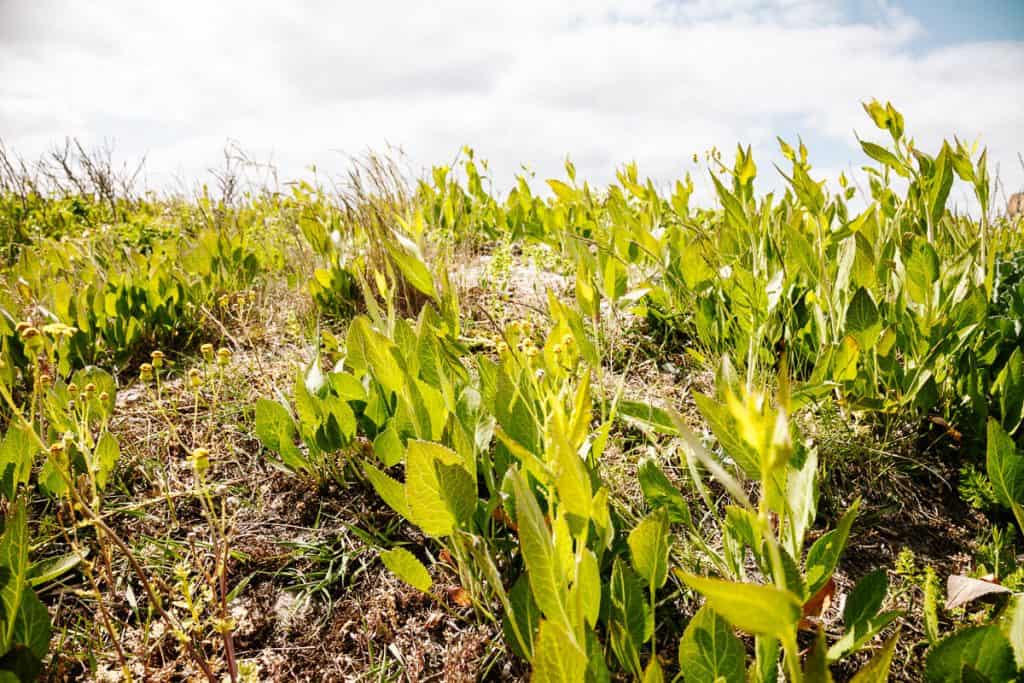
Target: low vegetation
(412, 428)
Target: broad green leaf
(557, 658)
(370, 350)
(52, 568)
(710, 652)
(1013, 629)
(824, 555)
(646, 415)
(14, 544)
(519, 623)
(940, 184)
(1005, 467)
(877, 668)
(16, 455)
(653, 672)
(388, 447)
(32, 627)
(572, 480)
(648, 547)
(816, 665)
(801, 501)
(866, 598)
(884, 156)
(588, 586)
(629, 624)
(974, 650)
(1011, 391)
(659, 492)
(561, 190)
(754, 608)
(270, 417)
(844, 363)
(390, 491)
(547, 576)
(862, 320)
(724, 428)
(406, 255)
(405, 566)
(438, 490)
(922, 266)
(859, 633)
(106, 455)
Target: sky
(526, 84)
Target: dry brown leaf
(459, 596)
(961, 590)
(816, 604)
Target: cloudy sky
(525, 83)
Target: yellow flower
(207, 351)
(158, 359)
(200, 460)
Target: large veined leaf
(824, 555)
(16, 454)
(438, 490)
(710, 652)
(979, 653)
(588, 586)
(629, 623)
(648, 547)
(405, 566)
(520, 621)
(660, 492)
(14, 545)
(1005, 467)
(557, 658)
(390, 491)
(32, 626)
(105, 457)
(877, 668)
(884, 156)
(406, 255)
(1011, 391)
(862, 320)
(754, 608)
(922, 267)
(724, 428)
(547, 577)
(276, 430)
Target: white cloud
(524, 83)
